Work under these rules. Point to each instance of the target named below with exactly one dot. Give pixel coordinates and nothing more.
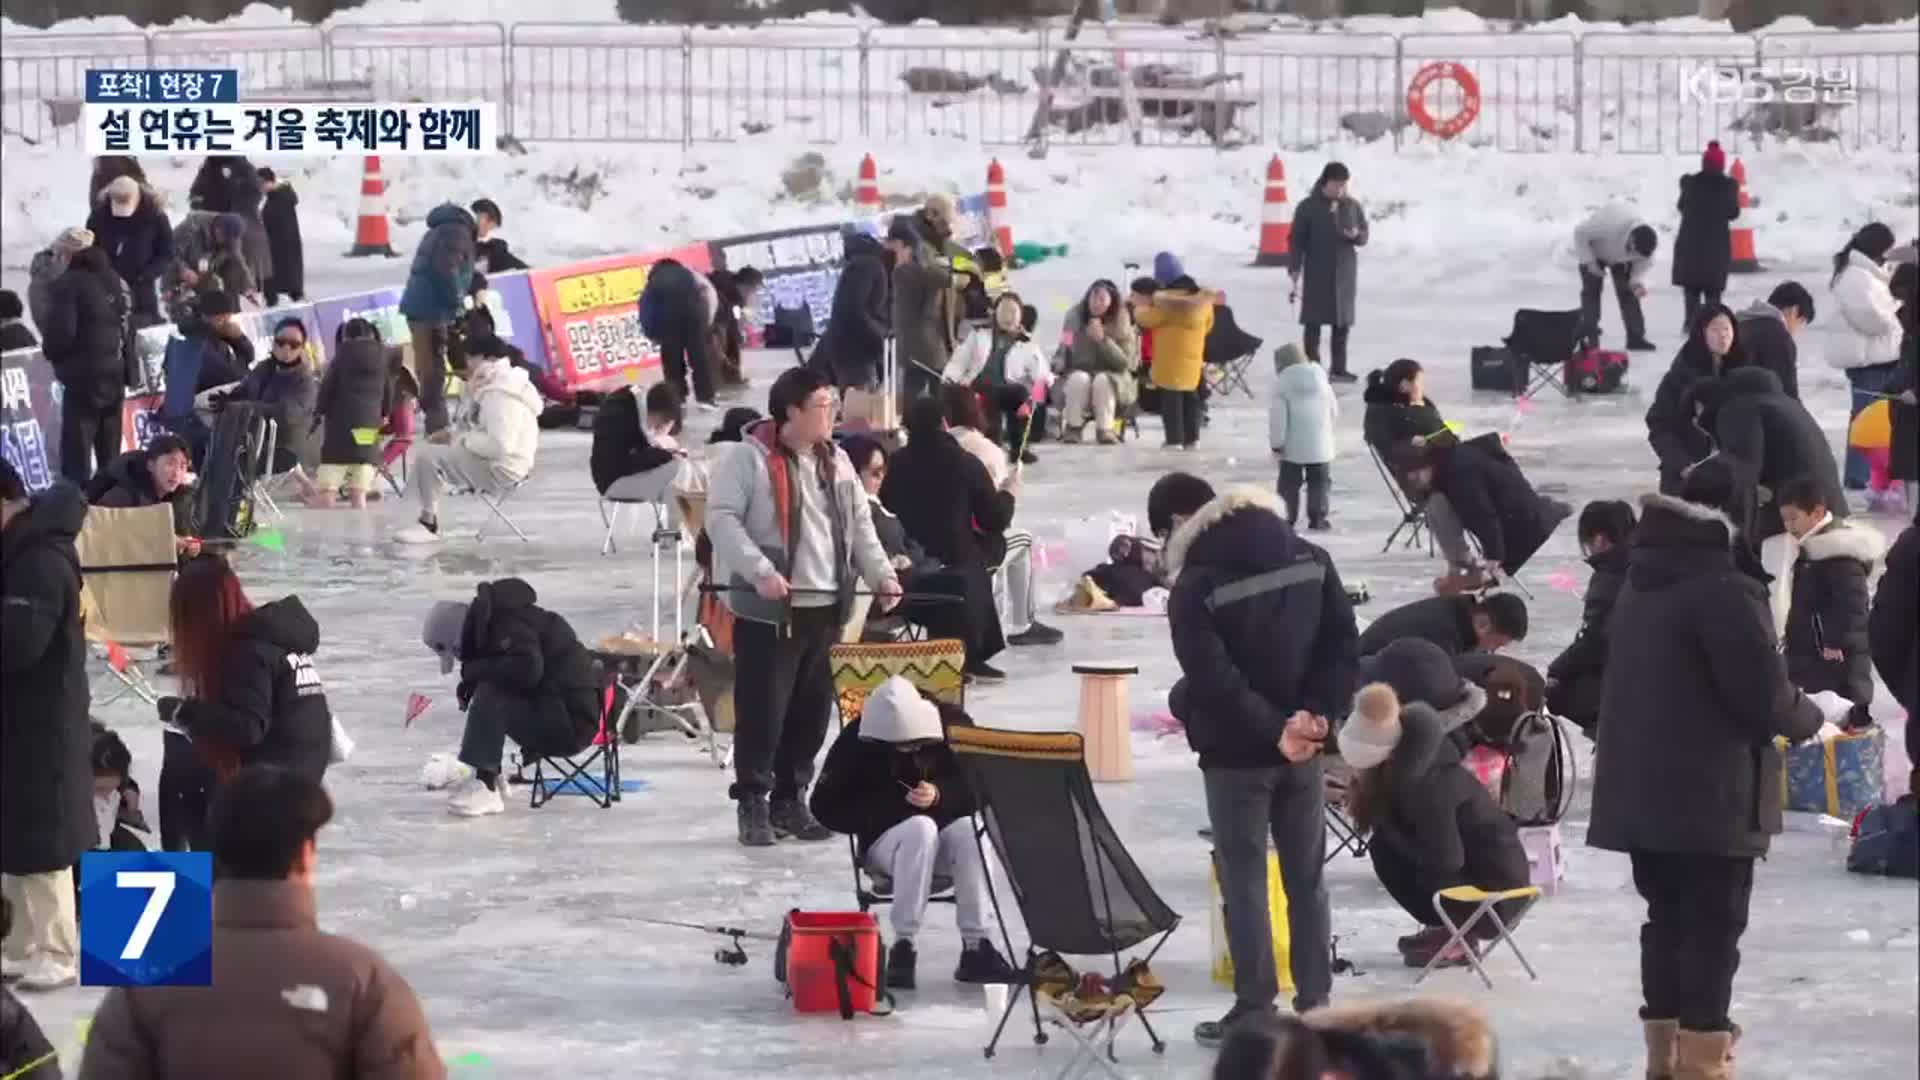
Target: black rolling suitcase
(223, 497)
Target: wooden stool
(1103, 719)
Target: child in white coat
(1005, 367)
(1300, 422)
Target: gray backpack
(1537, 786)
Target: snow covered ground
(519, 931)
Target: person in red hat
(1702, 252)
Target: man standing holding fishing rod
(791, 532)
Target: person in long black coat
(353, 401)
(127, 221)
(524, 675)
(1328, 228)
(948, 503)
(46, 739)
(1673, 427)
(1433, 825)
(280, 216)
(1893, 629)
(1490, 496)
(1574, 677)
(88, 342)
(1903, 452)
(853, 349)
(1702, 251)
(1686, 780)
(1768, 439)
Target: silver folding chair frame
(1458, 934)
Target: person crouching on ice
(891, 781)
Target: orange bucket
(833, 962)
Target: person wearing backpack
(1433, 825)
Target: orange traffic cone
(1276, 227)
(997, 217)
(372, 235)
(866, 194)
(1740, 237)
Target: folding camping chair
(1541, 343)
(1484, 908)
(1080, 893)
(934, 668)
(495, 498)
(654, 681)
(1346, 837)
(1229, 353)
(265, 480)
(611, 510)
(127, 563)
(1413, 515)
(593, 771)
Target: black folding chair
(1080, 893)
(1541, 343)
(593, 771)
(1413, 515)
(1229, 353)
(1345, 836)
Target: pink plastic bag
(1488, 765)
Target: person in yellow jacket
(1180, 314)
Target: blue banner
(30, 417)
(515, 318)
(163, 86)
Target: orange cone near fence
(1276, 227)
(866, 194)
(997, 217)
(373, 236)
(1740, 237)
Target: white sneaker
(416, 533)
(45, 973)
(471, 798)
(443, 770)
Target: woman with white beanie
(1433, 825)
(892, 783)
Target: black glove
(463, 694)
(170, 711)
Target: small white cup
(995, 1003)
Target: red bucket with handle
(833, 962)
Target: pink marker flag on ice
(1564, 581)
(416, 704)
(1523, 406)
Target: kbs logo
(1788, 84)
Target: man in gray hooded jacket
(790, 530)
(1615, 242)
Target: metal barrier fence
(1602, 92)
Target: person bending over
(1458, 624)
(891, 782)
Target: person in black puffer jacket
(229, 184)
(677, 308)
(1457, 624)
(1490, 499)
(158, 472)
(523, 675)
(853, 349)
(127, 221)
(88, 341)
(734, 292)
(891, 782)
(1398, 410)
(353, 401)
(1768, 439)
(1673, 429)
(1573, 679)
(1826, 639)
(1686, 778)
(625, 455)
(251, 695)
(1265, 637)
(1893, 629)
(1434, 825)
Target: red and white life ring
(1443, 71)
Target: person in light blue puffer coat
(1301, 412)
(435, 296)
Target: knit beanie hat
(1176, 493)
(1167, 267)
(72, 240)
(1373, 730)
(897, 713)
(123, 196)
(1416, 670)
(446, 623)
(1286, 356)
(1713, 159)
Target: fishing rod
(731, 955)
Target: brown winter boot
(1660, 1050)
(1703, 1055)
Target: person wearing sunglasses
(286, 391)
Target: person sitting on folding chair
(1458, 624)
(1491, 501)
(636, 455)
(1432, 824)
(1102, 356)
(496, 438)
(285, 388)
(211, 350)
(158, 473)
(354, 400)
(1003, 365)
(919, 570)
(891, 782)
(523, 675)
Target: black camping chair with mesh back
(1541, 343)
(1413, 514)
(1229, 353)
(1079, 892)
(593, 770)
